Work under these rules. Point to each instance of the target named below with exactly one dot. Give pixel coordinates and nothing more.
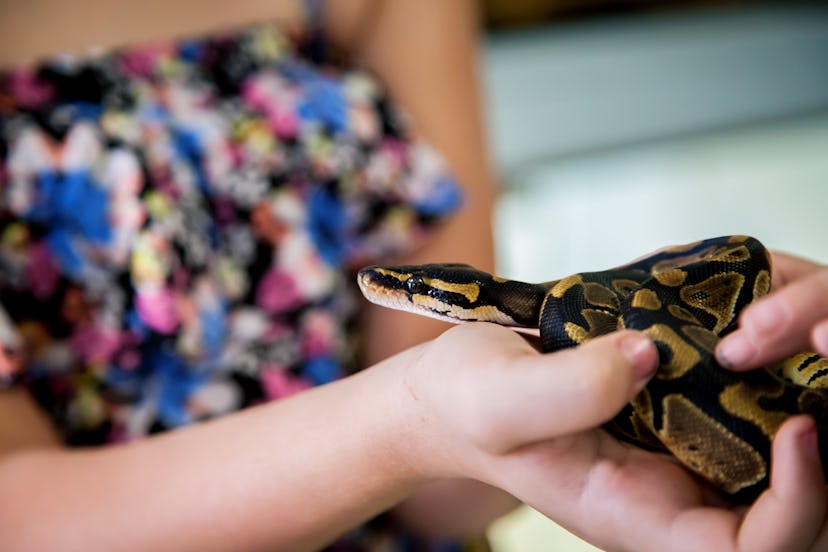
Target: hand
(483, 389)
(790, 319)
(525, 422)
(624, 499)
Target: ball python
(717, 423)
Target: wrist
(411, 433)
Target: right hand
(487, 389)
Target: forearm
(289, 475)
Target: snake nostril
(414, 284)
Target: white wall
(618, 136)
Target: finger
(789, 268)
(819, 337)
(778, 325)
(789, 516)
(572, 390)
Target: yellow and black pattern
(716, 422)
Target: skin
(277, 492)
(790, 319)
(625, 499)
(477, 402)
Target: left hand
(625, 499)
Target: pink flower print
(394, 150)
(41, 272)
(95, 344)
(278, 383)
(278, 292)
(157, 308)
(253, 92)
(27, 90)
(284, 122)
(236, 153)
(277, 100)
(318, 334)
(9, 363)
(141, 62)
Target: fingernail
(638, 350)
(734, 350)
(809, 441)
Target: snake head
(451, 292)
(433, 290)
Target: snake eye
(414, 285)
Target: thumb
(791, 513)
(577, 389)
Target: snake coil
(716, 422)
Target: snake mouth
(379, 292)
(380, 289)
(364, 282)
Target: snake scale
(717, 423)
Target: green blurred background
(620, 127)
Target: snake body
(717, 423)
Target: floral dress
(177, 225)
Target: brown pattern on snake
(717, 423)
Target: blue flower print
(189, 147)
(321, 370)
(323, 99)
(74, 202)
(445, 196)
(326, 224)
(73, 206)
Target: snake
(717, 423)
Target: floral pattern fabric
(177, 222)
(177, 225)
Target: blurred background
(618, 127)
